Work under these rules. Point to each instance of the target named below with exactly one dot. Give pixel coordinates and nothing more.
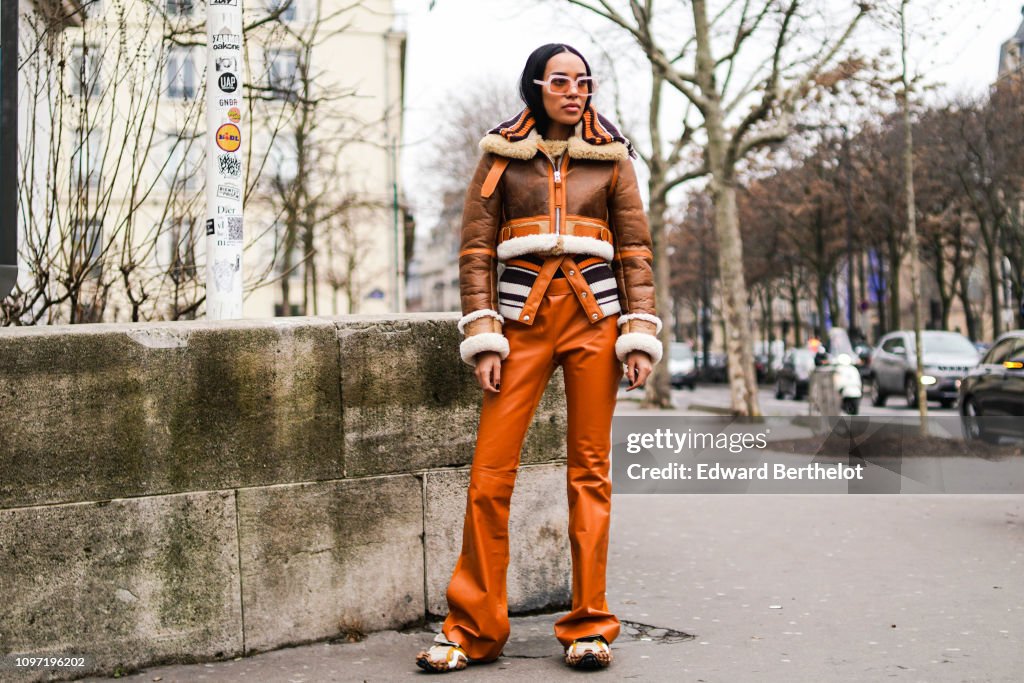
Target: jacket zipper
(555, 163)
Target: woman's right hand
(488, 370)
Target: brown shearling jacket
(536, 206)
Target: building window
(283, 158)
(85, 71)
(180, 8)
(177, 253)
(91, 8)
(87, 244)
(182, 79)
(183, 163)
(287, 8)
(295, 270)
(87, 158)
(282, 70)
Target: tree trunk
(913, 246)
(794, 302)
(659, 389)
(994, 285)
(892, 281)
(972, 327)
(735, 314)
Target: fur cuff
(638, 341)
(486, 341)
(642, 316)
(470, 317)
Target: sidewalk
(773, 588)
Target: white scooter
(845, 382)
(845, 375)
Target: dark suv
(995, 389)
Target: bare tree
(453, 151)
(738, 118)
(110, 172)
(307, 189)
(450, 155)
(100, 187)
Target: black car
(717, 369)
(994, 391)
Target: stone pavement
(772, 588)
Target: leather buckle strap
(542, 226)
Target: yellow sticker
(229, 138)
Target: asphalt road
(718, 395)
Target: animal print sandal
(592, 652)
(443, 656)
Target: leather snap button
(526, 317)
(594, 316)
(584, 295)
(572, 272)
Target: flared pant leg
(477, 594)
(592, 373)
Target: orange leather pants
(560, 335)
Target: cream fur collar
(577, 147)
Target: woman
(555, 200)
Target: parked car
(761, 367)
(794, 376)
(995, 389)
(948, 357)
(682, 366)
(717, 369)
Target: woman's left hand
(638, 368)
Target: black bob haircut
(530, 92)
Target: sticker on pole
(227, 82)
(229, 138)
(225, 40)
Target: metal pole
(394, 213)
(8, 145)
(225, 164)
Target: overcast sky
(461, 41)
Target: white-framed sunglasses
(562, 85)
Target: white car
(682, 366)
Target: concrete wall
(197, 490)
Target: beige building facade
(112, 148)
